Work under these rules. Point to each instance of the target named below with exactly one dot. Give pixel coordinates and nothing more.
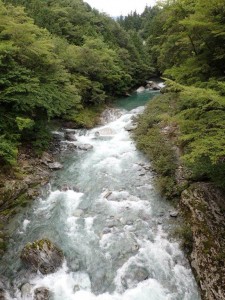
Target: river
(112, 225)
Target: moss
(184, 233)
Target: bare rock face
(42, 294)
(204, 204)
(42, 255)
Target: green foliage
(8, 151)
(184, 233)
(87, 117)
(23, 123)
(151, 140)
(57, 59)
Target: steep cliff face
(204, 207)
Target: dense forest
(63, 59)
(185, 41)
(59, 59)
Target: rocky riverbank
(19, 187)
(201, 204)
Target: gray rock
(130, 127)
(26, 290)
(140, 89)
(70, 137)
(58, 135)
(134, 275)
(78, 213)
(74, 263)
(106, 230)
(68, 130)
(76, 288)
(174, 213)
(46, 158)
(42, 294)
(85, 147)
(55, 166)
(153, 85)
(2, 294)
(42, 255)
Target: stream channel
(113, 227)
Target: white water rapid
(113, 230)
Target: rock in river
(140, 89)
(42, 255)
(42, 294)
(55, 166)
(70, 137)
(85, 147)
(174, 214)
(130, 127)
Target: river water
(111, 224)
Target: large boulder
(43, 256)
(141, 89)
(42, 294)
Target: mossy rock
(42, 255)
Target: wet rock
(142, 173)
(43, 256)
(85, 147)
(42, 294)
(78, 213)
(106, 194)
(70, 137)
(68, 130)
(58, 135)
(73, 263)
(26, 290)
(106, 230)
(109, 115)
(55, 166)
(134, 275)
(67, 146)
(2, 294)
(46, 158)
(106, 131)
(130, 127)
(174, 214)
(4, 286)
(140, 89)
(153, 85)
(65, 187)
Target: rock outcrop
(43, 256)
(204, 206)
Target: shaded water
(113, 229)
